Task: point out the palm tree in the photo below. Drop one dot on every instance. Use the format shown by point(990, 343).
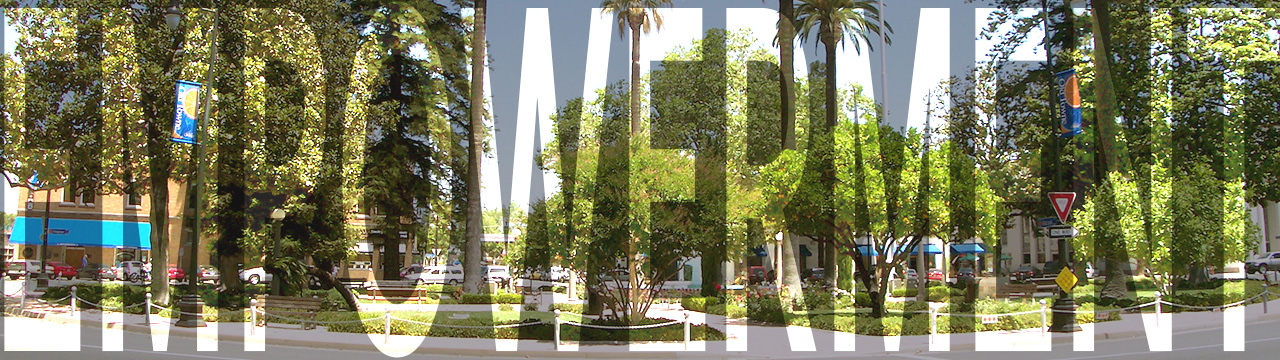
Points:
point(638, 15)
point(472, 277)
point(835, 20)
point(790, 275)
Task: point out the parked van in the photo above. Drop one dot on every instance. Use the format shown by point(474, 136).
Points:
point(451, 275)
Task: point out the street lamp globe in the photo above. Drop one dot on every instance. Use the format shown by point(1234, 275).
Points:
point(277, 214)
point(173, 16)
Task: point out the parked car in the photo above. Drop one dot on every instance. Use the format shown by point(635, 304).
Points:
point(411, 269)
point(911, 275)
point(255, 276)
point(965, 275)
point(94, 272)
point(176, 273)
point(451, 275)
point(497, 273)
point(935, 275)
point(21, 268)
point(1089, 272)
point(1263, 263)
point(556, 273)
point(210, 273)
point(132, 271)
point(61, 269)
point(1026, 272)
point(756, 275)
point(813, 274)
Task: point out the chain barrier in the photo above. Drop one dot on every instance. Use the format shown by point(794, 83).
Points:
point(265, 313)
point(607, 327)
point(507, 326)
point(105, 308)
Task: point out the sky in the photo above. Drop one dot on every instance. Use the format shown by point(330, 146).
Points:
point(584, 52)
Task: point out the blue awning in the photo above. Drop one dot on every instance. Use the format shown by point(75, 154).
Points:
point(89, 233)
point(968, 248)
point(930, 249)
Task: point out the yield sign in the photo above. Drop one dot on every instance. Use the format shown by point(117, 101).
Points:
point(1061, 202)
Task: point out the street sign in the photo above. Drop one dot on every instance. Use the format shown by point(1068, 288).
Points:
point(1047, 222)
point(990, 319)
point(1062, 202)
point(1104, 315)
point(1063, 232)
point(58, 231)
point(1066, 280)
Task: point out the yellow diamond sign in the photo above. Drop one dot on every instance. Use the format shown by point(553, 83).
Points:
point(1066, 280)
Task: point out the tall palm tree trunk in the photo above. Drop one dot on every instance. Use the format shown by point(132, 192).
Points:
point(633, 263)
point(473, 255)
point(789, 275)
point(829, 258)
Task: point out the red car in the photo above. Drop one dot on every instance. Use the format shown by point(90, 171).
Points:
point(62, 270)
point(935, 275)
point(176, 273)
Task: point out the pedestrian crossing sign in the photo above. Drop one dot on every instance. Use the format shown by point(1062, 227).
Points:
point(1066, 280)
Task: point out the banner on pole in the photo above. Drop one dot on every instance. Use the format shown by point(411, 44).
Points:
point(1069, 103)
point(186, 111)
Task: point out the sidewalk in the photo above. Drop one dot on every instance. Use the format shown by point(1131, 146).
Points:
point(765, 341)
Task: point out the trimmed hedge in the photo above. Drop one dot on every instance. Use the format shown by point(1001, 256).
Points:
point(569, 308)
point(699, 303)
point(499, 298)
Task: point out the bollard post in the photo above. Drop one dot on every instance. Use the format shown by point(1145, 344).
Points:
point(1158, 301)
point(1043, 317)
point(686, 330)
point(1266, 298)
point(386, 336)
point(253, 316)
point(933, 324)
point(73, 299)
point(557, 330)
point(148, 306)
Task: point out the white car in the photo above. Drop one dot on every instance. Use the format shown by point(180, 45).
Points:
point(557, 273)
point(132, 271)
point(497, 273)
point(451, 275)
point(255, 276)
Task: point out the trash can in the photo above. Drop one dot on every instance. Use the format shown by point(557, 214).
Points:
point(493, 287)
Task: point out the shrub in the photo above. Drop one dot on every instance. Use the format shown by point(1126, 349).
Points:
point(499, 298)
point(569, 308)
point(506, 307)
point(698, 303)
point(531, 307)
point(862, 299)
point(818, 300)
point(766, 309)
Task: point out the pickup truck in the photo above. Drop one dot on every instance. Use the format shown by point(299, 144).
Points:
point(1263, 263)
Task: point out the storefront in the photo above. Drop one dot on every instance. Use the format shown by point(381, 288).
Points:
point(71, 240)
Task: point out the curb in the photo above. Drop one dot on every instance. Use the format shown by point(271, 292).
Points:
point(371, 347)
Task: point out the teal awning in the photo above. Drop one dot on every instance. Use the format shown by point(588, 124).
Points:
point(79, 232)
point(929, 249)
point(968, 248)
point(804, 251)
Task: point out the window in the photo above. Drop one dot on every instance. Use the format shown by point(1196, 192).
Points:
point(131, 195)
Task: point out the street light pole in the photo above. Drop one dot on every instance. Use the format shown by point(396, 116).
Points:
point(191, 304)
point(1064, 318)
point(278, 216)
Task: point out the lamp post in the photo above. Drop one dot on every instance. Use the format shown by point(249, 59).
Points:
point(191, 304)
point(278, 216)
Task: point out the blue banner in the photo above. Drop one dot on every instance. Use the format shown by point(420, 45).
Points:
point(1069, 103)
point(186, 111)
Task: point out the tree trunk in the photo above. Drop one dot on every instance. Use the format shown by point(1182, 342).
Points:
point(328, 281)
point(786, 64)
point(159, 216)
point(473, 252)
point(790, 274)
point(830, 267)
point(635, 77)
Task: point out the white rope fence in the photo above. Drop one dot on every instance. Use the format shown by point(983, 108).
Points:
point(558, 322)
point(387, 317)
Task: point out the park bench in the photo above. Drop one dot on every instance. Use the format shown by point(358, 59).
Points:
point(301, 308)
point(389, 289)
point(1017, 290)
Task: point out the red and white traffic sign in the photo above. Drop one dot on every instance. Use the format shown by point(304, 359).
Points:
point(990, 319)
point(1062, 202)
